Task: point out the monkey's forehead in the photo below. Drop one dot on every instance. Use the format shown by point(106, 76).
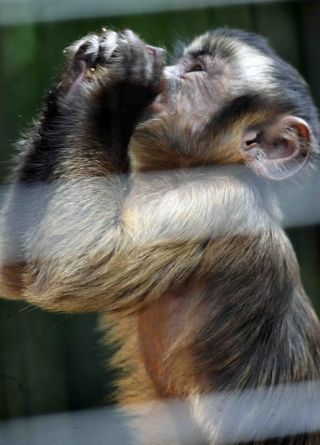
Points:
point(227, 40)
point(251, 63)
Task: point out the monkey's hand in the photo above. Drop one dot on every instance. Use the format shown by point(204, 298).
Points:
point(117, 68)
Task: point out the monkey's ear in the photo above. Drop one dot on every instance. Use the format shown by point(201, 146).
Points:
point(278, 150)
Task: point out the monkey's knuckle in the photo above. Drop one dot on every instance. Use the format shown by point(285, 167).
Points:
point(85, 48)
point(94, 50)
point(131, 37)
point(145, 67)
point(109, 44)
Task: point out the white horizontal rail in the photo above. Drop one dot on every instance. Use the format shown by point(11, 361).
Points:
point(13, 12)
point(229, 417)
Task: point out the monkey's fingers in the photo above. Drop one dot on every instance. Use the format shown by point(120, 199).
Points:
point(136, 62)
point(114, 58)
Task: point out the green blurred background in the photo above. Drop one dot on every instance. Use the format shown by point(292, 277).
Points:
point(50, 362)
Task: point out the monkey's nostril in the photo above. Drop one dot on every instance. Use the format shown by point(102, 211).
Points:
point(169, 71)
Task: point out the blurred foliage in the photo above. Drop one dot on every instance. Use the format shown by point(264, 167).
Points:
point(51, 362)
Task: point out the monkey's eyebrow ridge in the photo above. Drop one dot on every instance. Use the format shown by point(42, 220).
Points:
point(198, 53)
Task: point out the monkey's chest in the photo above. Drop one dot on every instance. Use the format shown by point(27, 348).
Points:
point(158, 328)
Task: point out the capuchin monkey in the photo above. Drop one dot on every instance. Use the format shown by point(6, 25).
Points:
point(145, 192)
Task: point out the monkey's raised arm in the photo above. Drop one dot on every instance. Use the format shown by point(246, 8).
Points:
point(73, 158)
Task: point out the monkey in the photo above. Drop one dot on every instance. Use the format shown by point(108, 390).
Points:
point(145, 192)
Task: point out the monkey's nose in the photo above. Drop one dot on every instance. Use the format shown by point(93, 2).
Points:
point(172, 71)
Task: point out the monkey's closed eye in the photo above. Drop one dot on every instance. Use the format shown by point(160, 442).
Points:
point(195, 67)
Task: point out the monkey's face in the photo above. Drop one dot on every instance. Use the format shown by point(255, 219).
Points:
point(196, 86)
point(228, 99)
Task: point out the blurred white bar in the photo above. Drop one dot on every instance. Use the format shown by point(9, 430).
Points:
point(299, 200)
point(98, 427)
point(299, 203)
point(14, 12)
point(229, 417)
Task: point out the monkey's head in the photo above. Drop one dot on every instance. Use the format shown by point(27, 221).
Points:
point(229, 99)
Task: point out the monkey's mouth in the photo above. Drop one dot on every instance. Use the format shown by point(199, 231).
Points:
point(159, 105)
point(165, 100)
